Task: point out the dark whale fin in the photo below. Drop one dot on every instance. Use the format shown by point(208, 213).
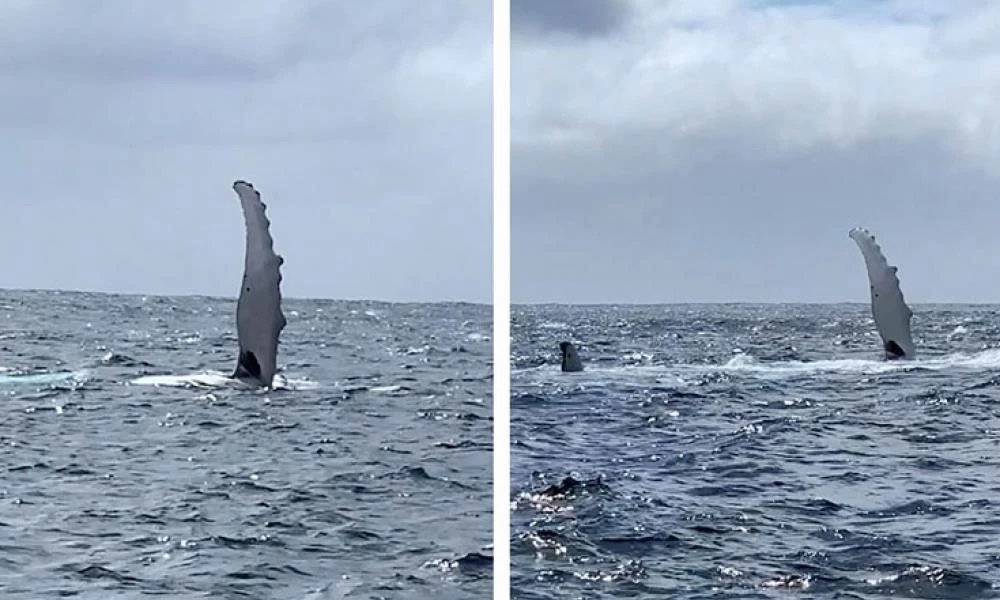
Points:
point(259, 319)
point(247, 366)
point(571, 362)
point(893, 351)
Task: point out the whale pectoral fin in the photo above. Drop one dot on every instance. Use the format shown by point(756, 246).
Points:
point(259, 318)
point(247, 366)
point(889, 309)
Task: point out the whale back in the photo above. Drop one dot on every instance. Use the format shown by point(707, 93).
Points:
point(259, 319)
point(892, 315)
point(571, 362)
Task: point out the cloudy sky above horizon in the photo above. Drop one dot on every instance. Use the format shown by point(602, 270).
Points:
point(682, 150)
point(366, 126)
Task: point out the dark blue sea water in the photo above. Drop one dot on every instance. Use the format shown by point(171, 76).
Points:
point(754, 452)
point(369, 478)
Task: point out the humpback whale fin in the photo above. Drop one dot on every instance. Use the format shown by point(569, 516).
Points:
point(259, 319)
point(891, 314)
point(570, 359)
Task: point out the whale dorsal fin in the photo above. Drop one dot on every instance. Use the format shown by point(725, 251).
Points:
point(892, 315)
point(571, 362)
point(259, 319)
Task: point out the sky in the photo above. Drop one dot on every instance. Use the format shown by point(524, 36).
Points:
point(366, 126)
point(693, 151)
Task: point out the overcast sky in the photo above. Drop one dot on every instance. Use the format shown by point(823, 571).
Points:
point(365, 125)
point(692, 150)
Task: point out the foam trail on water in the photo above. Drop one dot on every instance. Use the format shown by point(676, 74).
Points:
point(745, 365)
point(599, 375)
point(892, 315)
point(43, 378)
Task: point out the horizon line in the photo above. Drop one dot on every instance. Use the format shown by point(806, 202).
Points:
point(234, 297)
point(750, 303)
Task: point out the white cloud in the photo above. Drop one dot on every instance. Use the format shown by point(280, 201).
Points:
point(795, 76)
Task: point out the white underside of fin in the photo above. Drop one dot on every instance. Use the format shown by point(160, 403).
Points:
point(892, 315)
point(201, 379)
point(220, 380)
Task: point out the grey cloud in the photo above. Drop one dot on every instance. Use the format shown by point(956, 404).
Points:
point(225, 40)
point(623, 222)
point(117, 167)
point(579, 18)
point(114, 41)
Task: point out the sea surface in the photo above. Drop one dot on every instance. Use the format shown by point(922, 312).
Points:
point(367, 476)
point(754, 451)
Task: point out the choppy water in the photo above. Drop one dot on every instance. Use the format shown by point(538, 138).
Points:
point(754, 452)
point(373, 482)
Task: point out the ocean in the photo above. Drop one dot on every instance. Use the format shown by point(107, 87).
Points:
point(131, 467)
point(754, 451)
